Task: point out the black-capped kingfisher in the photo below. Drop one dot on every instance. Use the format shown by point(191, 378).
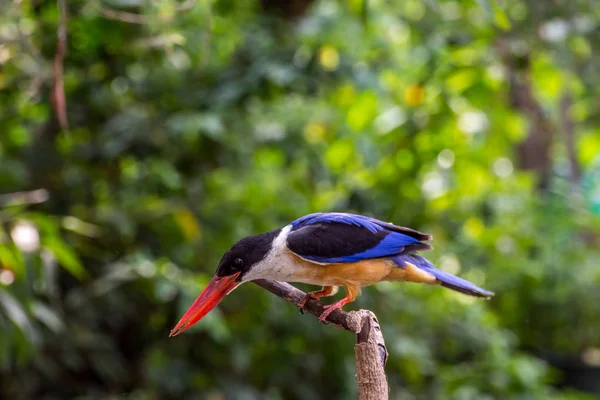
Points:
point(330, 250)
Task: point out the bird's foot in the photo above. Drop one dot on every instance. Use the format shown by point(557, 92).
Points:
point(328, 310)
point(325, 291)
point(335, 306)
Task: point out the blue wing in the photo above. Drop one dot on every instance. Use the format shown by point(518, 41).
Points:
point(345, 238)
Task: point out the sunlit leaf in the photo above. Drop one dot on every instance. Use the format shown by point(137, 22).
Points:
point(188, 223)
point(362, 111)
point(461, 80)
point(414, 95)
point(12, 259)
point(329, 57)
point(340, 154)
point(500, 17)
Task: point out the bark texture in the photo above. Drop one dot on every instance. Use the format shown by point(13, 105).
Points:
point(371, 356)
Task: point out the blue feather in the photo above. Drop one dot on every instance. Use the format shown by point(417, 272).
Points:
point(447, 280)
point(344, 218)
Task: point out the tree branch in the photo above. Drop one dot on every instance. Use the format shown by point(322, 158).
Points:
point(370, 351)
point(133, 18)
point(568, 126)
point(58, 91)
point(534, 153)
point(23, 198)
point(123, 16)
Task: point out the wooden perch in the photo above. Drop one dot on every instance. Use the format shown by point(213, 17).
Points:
point(370, 351)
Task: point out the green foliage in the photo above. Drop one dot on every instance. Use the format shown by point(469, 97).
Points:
point(204, 122)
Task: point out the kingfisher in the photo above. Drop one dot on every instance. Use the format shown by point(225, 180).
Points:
point(330, 250)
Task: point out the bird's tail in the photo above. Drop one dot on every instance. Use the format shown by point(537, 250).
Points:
point(445, 279)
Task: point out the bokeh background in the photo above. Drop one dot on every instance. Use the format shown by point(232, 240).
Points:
point(139, 139)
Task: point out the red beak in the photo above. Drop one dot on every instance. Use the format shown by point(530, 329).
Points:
point(217, 288)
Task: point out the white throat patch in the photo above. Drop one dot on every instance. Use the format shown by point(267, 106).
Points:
point(279, 264)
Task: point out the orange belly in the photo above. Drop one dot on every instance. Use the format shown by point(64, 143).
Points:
point(361, 273)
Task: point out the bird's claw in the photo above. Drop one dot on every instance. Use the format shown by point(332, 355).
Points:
point(328, 309)
point(304, 301)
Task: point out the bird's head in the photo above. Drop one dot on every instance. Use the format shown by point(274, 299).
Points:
point(246, 255)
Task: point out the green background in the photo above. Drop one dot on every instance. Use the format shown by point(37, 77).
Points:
point(188, 125)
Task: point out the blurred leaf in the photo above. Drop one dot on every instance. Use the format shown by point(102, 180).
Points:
point(495, 11)
point(362, 111)
point(47, 316)
point(188, 224)
point(10, 258)
point(500, 17)
point(66, 257)
point(15, 312)
point(414, 95)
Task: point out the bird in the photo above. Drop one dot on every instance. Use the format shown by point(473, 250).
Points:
point(329, 249)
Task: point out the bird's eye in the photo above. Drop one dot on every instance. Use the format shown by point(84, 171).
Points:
point(238, 262)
